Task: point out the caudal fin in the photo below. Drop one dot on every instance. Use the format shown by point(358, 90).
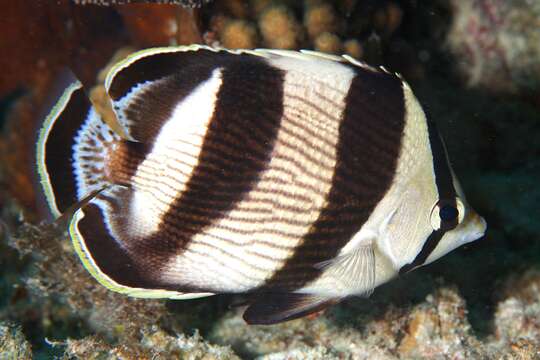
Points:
point(71, 150)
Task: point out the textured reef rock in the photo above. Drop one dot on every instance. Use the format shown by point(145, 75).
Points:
point(185, 3)
point(154, 344)
point(497, 43)
point(13, 344)
point(517, 318)
point(480, 302)
point(279, 28)
point(437, 328)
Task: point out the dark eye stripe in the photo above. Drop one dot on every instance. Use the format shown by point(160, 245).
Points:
point(430, 244)
point(443, 175)
point(447, 196)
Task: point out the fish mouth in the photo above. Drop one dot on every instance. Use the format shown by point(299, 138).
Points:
point(483, 225)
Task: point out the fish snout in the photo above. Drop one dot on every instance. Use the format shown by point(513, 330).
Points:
point(476, 227)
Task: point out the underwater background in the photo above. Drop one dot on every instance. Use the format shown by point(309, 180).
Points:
point(473, 64)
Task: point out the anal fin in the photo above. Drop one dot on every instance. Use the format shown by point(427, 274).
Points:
point(278, 307)
point(107, 237)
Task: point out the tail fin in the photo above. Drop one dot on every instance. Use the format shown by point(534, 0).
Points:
point(71, 150)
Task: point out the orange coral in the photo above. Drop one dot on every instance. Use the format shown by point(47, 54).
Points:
point(160, 25)
point(328, 42)
point(239, 34)
point(279, 28)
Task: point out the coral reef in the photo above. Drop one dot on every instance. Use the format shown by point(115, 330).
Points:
point(150, 25)
point(239, 34)
point(55, 35)
point(320, 18)
point(13, 344)
point(497, 43)
point(480, 302)
point(438, 327)
point(154, 344)
point(517, 318)
point(388, 18)
point(185, 3)
point(279, 28)
point(353, 48)
point(16, 153)
point(329, 43)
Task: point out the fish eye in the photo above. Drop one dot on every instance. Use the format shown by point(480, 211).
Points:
point(446, 215)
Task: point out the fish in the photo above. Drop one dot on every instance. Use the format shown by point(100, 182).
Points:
point(296, 178)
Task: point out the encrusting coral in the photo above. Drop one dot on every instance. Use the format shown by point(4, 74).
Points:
point(185, 3)
point(517, 318)
point(239, 34)
point(328, 43)
point(279, 28)
point(353, 48)
point(435, 328)
point(13, 344)
point(154, 344)
point(497, 43)
point(320, 18)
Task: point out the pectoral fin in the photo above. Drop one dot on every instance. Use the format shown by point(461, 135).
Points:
point(354, 271)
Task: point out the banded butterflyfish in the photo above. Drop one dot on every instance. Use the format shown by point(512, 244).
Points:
point(297, 177)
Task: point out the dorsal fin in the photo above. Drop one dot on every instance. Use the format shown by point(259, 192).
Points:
point(311, 55)
point(147, 85)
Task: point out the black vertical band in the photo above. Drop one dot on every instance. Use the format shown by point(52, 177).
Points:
point(247, 113)
point(368, 148)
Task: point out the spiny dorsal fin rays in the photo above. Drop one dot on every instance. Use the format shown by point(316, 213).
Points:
point(118, 67)
point(104, 108)
point(311, 55)
point(97, 234)
point(308, 55)
point(272, 308)
point(305, 55)
point(146, 93)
